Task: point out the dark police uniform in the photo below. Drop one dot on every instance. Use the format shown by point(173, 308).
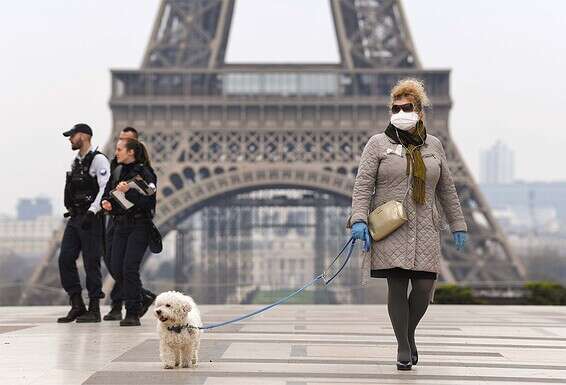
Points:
point(148, 297)
point(84, 189)
point(130, 238)
point(115, 295)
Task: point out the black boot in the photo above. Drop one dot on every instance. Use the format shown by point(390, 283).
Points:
point(148, 299)
point(93, 313)
point(78, 308)
point(404, 365)
point(115, 313)
point(132, 318)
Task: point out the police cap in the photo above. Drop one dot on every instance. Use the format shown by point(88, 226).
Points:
point(79, 127)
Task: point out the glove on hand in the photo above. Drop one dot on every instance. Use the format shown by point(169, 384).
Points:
point(88, 220)
point(360, 231)
point(460, 239)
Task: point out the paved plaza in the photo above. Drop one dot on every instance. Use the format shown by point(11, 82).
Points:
point(293, 345)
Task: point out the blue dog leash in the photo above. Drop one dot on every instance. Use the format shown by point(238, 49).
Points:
point(322, 276)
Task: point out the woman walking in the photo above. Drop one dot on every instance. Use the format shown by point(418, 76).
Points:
point(406, 164)
point(132, 225)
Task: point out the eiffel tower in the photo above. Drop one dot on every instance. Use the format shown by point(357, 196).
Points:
point(217, 129)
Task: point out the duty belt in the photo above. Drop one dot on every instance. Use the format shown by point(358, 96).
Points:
point(75, 212)
point(136, 218)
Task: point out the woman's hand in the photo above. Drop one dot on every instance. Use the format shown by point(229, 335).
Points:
point(122, 187)
point(460, 239)
point(360, 231)
point(106, 205)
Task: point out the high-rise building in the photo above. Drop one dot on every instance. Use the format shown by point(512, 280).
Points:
point(497, 164)
point(30, 209)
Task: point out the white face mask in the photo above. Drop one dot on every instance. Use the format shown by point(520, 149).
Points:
point(405, 120)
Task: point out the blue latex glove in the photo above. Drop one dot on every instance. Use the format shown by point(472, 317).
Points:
point(360, 231)
point(460, 239)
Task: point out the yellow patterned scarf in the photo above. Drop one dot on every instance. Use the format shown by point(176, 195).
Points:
point(412, 142)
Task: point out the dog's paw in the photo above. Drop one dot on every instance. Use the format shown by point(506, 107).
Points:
point(194, 363)
point(186, 365)
point(168, 366)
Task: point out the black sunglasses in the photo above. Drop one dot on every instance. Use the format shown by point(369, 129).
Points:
point(405, 107)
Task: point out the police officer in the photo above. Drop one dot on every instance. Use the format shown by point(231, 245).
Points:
point(115, 313)
point(84, 188)
point(131, 226)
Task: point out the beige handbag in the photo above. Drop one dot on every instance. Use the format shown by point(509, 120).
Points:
point(388, 217)
point(385, 219)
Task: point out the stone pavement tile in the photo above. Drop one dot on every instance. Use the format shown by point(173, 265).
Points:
point(360, 351)
point(254, 350)
point(15, 381)
point(559, 331)
point(545, 332)
point(389, 353)
point(11, 328)
point(148, 351)
point(232, 328)
point(263, 328)
point(519, 372)
point(540, 356)
point(145, 378)
point(532, 382)
point(27, 371)
point(63, 377)
point(31, 320)
point(509, 331)
point(249, 381)
point(403, 381)
point(298, 351)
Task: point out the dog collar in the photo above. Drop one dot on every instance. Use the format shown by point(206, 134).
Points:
point(179, 328)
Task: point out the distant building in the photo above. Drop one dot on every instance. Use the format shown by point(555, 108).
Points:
point(28, 238)
point(525, 206)
point(30, 209)
point(497, 165)
point(283, 262)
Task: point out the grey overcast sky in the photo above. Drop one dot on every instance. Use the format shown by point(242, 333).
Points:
point(507, 58)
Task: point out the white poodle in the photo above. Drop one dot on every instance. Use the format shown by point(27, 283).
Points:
point(179, 336)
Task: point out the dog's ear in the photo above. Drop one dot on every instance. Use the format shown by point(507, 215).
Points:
point(186, 306)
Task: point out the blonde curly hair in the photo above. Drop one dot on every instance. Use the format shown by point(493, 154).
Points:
point(412, 89)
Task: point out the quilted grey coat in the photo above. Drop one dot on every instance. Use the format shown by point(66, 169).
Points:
point(382, 177)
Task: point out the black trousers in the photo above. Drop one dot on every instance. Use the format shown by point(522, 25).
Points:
point(89, 242)
point(129, 244)
point(116, 293)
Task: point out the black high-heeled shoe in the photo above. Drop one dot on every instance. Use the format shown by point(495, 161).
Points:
point(414, 358)
point(404, 365)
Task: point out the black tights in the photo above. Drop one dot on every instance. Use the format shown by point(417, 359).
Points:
point(405, 313)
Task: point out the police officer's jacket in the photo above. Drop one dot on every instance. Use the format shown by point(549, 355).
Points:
point(144, 205)
point(86, 182)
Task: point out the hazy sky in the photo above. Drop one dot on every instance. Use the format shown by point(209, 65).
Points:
point(507, 57)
